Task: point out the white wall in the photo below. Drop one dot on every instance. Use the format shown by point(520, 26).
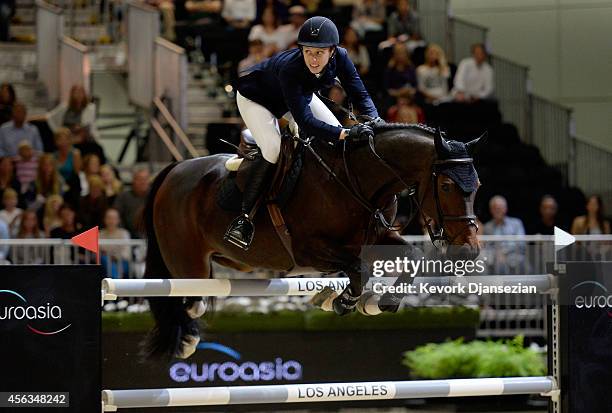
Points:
point(568, 46)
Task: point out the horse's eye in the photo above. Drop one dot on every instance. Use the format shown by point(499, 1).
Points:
point(446, 187)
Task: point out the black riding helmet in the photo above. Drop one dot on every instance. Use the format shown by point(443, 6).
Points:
point(318, 31)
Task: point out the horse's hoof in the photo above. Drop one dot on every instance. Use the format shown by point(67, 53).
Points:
point(388, 308)
point(324, 299)
point(368, 303)
point(389, 303)
point(341, 309)
point(197, 309)
point(189, 346)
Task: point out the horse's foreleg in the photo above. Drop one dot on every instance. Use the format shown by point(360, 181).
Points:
point(347, 300)
point(388, 302)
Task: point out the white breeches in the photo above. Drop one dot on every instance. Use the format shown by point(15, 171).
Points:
point(263, 125)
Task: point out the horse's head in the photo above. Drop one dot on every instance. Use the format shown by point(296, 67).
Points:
point(449, 204)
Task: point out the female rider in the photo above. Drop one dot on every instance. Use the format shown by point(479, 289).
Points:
point(284, 86)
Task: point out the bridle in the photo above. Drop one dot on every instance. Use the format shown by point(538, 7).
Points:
point(437, 235)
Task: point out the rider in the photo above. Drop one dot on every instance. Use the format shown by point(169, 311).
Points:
point(284, 86)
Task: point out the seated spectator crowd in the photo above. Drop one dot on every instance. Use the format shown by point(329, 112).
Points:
point(61, 192)
point(400, 69)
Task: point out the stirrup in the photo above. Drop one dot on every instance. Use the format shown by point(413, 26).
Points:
point(240, 232)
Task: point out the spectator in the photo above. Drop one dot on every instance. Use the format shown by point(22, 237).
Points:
point(68, 158)
point(403, 23)
point(8, 180)
point(297, 17)
point(433, 75)
point(91, 166)
point(130, 203)
point(501, 224)
point(11, 214)
point(256, 55)
point(68, 227)
point(115, 258)
point(548, 216)
point(78, 115)
point(239, 13)
point(93, 205)
point(26, 167)
point(368, 16)
point(190, 11)
point(357, 52)
point(405, 110)
point(474, 78)
point(594, 222)
point(18, 130)
point(88, 146)
point(48, 180)
point(28, 229)
point(400, 76)
point(268, 32)
point(68, 163)
point(7, 100)
point(315, 7)
point(51, 217)
point(508, 256)
point(7, 11)
point(112, 185)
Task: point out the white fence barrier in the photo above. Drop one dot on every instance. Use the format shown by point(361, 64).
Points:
point(143, 29)
point(49, 32)
point(75, 68)
point(171, 78)
point(324, 392)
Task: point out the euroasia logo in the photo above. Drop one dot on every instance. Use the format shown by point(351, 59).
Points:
point(230, 371)
point(31, 313)
point(593, 300)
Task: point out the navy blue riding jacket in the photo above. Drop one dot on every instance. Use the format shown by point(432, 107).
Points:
point(284, 84)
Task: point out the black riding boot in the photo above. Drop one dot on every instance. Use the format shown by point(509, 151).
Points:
point(241, 230)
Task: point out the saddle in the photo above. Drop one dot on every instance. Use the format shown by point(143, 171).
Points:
point(282, 182)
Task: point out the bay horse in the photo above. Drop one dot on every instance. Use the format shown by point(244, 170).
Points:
point(328, 221)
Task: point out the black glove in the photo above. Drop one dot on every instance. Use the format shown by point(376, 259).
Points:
point(360, 132)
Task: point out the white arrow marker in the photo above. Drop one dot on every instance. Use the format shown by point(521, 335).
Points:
point(563, 239)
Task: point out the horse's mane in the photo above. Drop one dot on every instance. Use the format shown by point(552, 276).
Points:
point(385, 126)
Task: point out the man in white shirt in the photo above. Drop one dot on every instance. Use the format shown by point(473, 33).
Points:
point(239, 13)
point(474, 79)
point(297, 17)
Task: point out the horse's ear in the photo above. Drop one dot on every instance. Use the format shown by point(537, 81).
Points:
point(442, 147)
point(473, 146)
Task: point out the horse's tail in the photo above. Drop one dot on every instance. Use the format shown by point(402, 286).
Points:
point(168, 312)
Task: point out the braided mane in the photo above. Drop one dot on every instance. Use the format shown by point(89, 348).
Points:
point(383, 127)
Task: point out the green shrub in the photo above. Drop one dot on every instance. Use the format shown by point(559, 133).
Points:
point(456, 359)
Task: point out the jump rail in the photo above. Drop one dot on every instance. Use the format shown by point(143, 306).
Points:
point(112, 288)
point(324, 392)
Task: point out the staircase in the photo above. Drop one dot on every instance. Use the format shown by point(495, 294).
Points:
point(208, 100)
point(81, 23)
point(18, 67)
